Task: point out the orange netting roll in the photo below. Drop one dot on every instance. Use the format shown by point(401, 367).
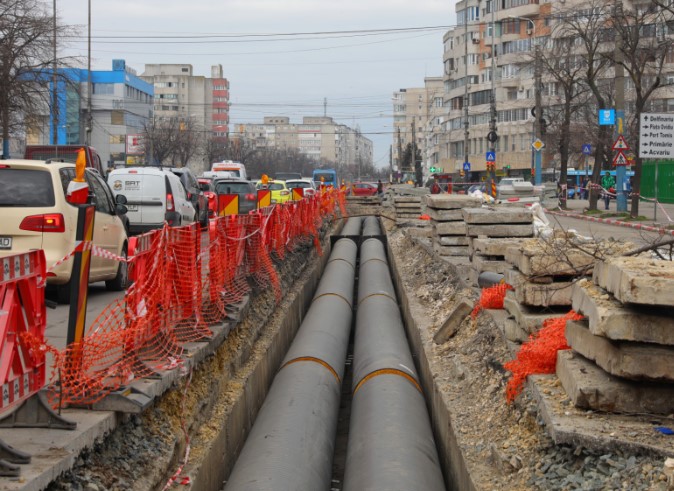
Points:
point(491, 298)
point(539, 354)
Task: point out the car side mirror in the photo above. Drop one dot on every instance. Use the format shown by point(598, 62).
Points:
point(121, 209)
point(120, 199)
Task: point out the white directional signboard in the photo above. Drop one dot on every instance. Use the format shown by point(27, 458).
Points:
point(656, 133)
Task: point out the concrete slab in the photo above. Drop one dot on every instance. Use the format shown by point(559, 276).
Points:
point(637, 280)
point(450, 228)
point(450, 240)
point(549, 257)
point(493, 247)
point(528, 318)
point(636, 361)
point(590, 387)
point(497, 215)
point(484, 263)
point(514, 332)
point(502, 230)
point(406, 205)
point(614, 320)
point(445, 215)
point(599, 432)
point(451, 201)
point(557, 293)
point(450, 250)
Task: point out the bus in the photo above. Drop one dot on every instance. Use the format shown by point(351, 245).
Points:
point(328, 177)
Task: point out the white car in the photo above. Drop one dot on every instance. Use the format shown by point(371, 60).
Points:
point(153, 196)
point(307, 184)
point(36, 215)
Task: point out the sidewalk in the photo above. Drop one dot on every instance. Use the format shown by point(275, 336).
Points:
point(660, 218)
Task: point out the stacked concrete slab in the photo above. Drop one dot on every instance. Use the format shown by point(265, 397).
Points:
point(542, 272)
point(622, 356)
point(449, 229)
point(407, 207)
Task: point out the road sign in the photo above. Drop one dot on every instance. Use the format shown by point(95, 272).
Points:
point(587, 149)
point(491, 156)
point(466, 166)
point(606, 117)
point(538, 144)
point(656, 136)
point(620, 144)
point(620, 159)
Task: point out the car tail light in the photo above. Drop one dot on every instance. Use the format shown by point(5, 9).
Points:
point(285, 193)
point(170, 206)
point(4, 166)
point(50, 222)
point(189, 195)
point(250, 197)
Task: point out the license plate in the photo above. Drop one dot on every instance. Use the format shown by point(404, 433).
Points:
point(5, 242)
point(132, 207)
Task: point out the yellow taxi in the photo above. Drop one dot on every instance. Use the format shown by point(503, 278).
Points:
point(279, 191)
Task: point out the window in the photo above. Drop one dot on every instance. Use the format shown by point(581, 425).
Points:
point(510, 26)
point(26, 188)
point(103, 89)
point(185, 70)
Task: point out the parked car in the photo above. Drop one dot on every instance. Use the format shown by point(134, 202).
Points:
point(307, 184)
point(245, 189)
point(194, 193)
point(36, 215)
point(279, 191)
point(363, 189)
point(206, 186)
point(154, 196)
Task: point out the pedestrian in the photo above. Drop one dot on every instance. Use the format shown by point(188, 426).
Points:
point(380, 187)
point(435, 187)
point(585, 190)
point(607, 183)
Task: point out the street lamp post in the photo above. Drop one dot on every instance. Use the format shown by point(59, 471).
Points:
point(538, 116)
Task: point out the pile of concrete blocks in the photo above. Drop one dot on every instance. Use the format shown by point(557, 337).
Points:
point(448, 228)
point(622, 356)
point(488, 255)
point(407, 207)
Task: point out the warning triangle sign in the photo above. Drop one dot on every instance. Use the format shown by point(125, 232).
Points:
point(620, 159)
point(620, 144)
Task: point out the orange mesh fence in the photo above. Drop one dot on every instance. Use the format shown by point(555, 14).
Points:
point(183, 280)
point(539, 354)
point(491, 298)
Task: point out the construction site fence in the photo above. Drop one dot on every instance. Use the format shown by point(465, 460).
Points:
point(183, 280)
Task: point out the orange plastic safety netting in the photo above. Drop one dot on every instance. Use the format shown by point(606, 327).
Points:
point(491, 298)
point(539, 354)
point(183, 280)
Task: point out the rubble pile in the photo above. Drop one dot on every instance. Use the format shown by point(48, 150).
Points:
point(622, 356)
point(449, 229)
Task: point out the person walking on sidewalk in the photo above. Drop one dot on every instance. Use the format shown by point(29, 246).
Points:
point(608, 183)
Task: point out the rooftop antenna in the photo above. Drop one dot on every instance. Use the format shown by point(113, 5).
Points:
point(325, 107)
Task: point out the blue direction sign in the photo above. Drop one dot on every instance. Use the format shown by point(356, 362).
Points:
point(491, 156)
point(606, 117)
point(587, 149)
point(466, 166)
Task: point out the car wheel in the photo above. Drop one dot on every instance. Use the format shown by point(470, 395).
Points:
point(63, 293)
point(121, 280)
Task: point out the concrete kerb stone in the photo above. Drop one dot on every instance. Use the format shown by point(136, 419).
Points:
point(618, 223)
point(627, 359)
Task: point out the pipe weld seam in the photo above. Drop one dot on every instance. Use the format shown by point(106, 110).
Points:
point(374, 259)
point(378, 294)
point(336, 295)
point(388, 371)
point(314, 360)
point(341, 259)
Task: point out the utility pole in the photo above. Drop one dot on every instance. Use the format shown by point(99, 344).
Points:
point(54, 108)
point(538, 167)
point(87, 129)
point(466, 133)
point(492, 98)
point(414, 150)
point(325, 107)
point(621, 198)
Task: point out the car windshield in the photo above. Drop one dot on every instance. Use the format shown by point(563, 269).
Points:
point(232, 187)
point(298, 184)
point(26, 188)
point(276, 186)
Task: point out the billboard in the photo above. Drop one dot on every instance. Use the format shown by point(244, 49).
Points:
point(134, 145)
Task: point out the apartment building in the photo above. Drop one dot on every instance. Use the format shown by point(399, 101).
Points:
point(179, 93)
point(420, 111)
point(121, 104)
point(318, 137)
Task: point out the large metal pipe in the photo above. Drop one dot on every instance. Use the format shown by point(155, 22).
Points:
point(352, 226)
point(391, 443)
point(371, 226)
point(291, 444)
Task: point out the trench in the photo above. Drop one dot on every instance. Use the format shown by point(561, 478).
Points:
point(224, 459)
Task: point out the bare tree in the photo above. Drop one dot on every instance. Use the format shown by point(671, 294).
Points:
point(171, 141)
point(26, 58)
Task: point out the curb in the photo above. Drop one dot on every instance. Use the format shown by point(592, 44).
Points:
point(619, 223)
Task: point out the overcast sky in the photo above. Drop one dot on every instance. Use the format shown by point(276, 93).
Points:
point(312, 57)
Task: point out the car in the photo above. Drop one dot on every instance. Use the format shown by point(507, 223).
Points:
point(308, 185)
point(245, 189)
point(286, 176)
point(194, 193)
point(206, 186)
point(36, 215)
point(154, 196)
point(363, 189)
point(279, 191)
